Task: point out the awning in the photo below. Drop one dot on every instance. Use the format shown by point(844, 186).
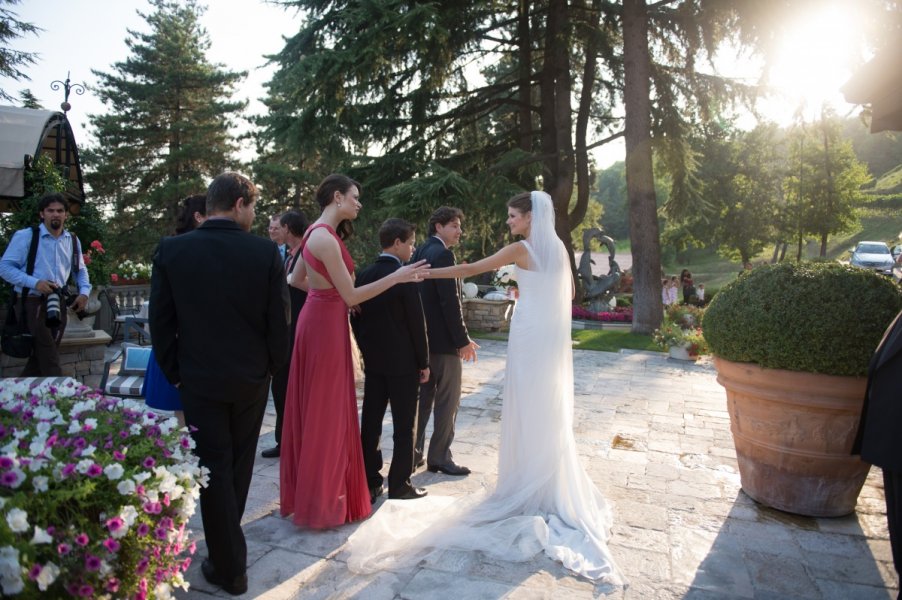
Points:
point(27, 133)
point(878, 84)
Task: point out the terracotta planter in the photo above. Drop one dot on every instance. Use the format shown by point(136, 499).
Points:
point(793, 432)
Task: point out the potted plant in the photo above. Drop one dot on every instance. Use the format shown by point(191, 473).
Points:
point(682, 343)
point(791, 345)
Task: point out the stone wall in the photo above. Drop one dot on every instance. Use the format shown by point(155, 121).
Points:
point(81, 358)
point(487, 315)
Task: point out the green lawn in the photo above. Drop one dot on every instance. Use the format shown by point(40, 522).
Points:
point(605, 340)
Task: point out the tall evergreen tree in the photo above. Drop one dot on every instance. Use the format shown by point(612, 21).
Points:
point(168, 128)
point(12, 61)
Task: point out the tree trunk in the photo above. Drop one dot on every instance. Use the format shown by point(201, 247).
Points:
point(525, 92)
point(640, 186)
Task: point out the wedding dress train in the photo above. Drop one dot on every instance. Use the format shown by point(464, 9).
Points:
point(543, 499)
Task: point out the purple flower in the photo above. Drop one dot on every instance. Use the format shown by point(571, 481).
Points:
point(160, 533)
point(9, 479)
point(2, 430)
point(94, 470)
point(63, 549)
point(34, 571)
point(112, 585)
point(82, 539)
point(118, 455)
point(153, 508)
point(86, 591)
point(166, 522)
point(92, 563)
point(80, 442)
point(149, 462)
point(143, 528)
point(68, 469)
point(6, 462)
point(114, 524)
point(123, 434)
point(111, 545)
point(142, 566)
point(185, 443)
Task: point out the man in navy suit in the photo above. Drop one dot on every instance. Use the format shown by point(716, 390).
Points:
point(449, 344)
point(219, 324)
point(391, 333)
point(878, 440)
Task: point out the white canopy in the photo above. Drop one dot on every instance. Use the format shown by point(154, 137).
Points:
point(25, 134)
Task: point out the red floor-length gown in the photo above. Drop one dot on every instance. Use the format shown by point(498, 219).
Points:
point(323, 483)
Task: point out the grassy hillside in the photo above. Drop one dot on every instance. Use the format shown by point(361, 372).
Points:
point(879, 224)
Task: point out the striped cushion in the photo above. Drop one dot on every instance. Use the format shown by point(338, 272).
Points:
point(33, 382)
point(124, 385)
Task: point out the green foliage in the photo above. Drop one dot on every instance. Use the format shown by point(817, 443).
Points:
point(821, 317)
point(168, 129)
point(11, 60)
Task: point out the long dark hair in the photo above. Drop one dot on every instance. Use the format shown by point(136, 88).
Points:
point(337, 182)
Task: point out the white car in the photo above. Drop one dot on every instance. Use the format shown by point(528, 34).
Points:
point(873, 255)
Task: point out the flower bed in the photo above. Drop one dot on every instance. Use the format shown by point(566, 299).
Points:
point(621, 314)
point(95, 495)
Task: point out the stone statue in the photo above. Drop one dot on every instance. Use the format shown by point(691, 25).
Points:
point(599, 290)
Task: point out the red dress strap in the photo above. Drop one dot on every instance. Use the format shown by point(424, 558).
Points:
point(315, 263)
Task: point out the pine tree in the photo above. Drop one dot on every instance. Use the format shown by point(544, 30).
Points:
point(12, 61)
point(168, 128)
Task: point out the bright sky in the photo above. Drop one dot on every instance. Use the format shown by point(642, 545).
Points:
point(80, 35)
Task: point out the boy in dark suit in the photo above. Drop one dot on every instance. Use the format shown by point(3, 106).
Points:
point(391, 333)
point(219, 324)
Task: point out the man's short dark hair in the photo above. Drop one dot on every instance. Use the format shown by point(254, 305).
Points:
point(295, 222)
point(394, 229)
point(52, 198)
point(444, 215)
point(226, 188)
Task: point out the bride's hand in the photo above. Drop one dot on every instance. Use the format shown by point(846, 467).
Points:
point(413, 272)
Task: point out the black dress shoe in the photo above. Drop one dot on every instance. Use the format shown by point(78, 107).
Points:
point(410, 494)
point(272, 452)
point(449, 469)
point(235, 587)
point(375, 492)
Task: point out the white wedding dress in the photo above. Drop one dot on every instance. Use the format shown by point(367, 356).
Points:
point(543, 499)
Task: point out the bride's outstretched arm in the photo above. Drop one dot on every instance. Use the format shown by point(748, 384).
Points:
point(512, 253)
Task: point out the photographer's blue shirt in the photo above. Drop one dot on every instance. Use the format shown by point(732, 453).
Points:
point(52, 263)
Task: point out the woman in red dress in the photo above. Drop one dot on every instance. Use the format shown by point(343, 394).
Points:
point(323, 483)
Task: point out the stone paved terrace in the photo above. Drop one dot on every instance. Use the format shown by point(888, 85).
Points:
point(654, 435)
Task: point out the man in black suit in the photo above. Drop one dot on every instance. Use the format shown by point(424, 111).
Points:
point(293, 224)
point(391, 333)
point(878, 440)
point(219, 324)
point(449, 344)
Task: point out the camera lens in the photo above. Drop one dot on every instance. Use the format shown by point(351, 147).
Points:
point(53, 310)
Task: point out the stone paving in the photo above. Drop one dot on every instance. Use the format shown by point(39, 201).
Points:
point(654, 435)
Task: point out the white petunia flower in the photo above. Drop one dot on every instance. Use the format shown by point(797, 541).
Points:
point(74, 426)
point(141, 477)
point(47, 576)
point(89, 451)
point(82, 466)
point(113, 471)
point(126, 487)
point(41, 536)
point(92, 423)
point(40, 483)
point(129, 514)
point(17, 519)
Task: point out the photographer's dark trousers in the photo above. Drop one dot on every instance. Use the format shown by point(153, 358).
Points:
point(45, 362)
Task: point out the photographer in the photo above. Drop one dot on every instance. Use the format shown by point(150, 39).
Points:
point(58, 251)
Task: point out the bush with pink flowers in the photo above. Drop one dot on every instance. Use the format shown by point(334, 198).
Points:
point(95, 495)
point(620, 314)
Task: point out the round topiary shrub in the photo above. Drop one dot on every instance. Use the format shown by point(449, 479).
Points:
point(818, 317)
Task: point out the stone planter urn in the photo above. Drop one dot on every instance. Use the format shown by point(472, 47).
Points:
point(793, 433)
point(681, 353)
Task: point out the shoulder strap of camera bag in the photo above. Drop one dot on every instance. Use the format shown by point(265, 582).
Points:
point(29, 269)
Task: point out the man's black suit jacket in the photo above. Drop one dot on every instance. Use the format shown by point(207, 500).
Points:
point(879, 439)
point(390, 328)
point(441, 301)
point(219, 310)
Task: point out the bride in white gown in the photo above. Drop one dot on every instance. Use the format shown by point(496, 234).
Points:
point(543, 499)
